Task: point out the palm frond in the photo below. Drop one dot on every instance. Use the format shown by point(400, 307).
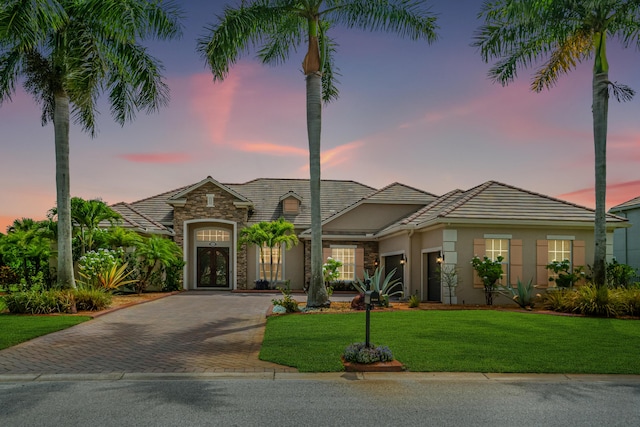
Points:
point(244, 28)
point(406, 18)
point(622, 93)
point(563, 59)
point(329, 71)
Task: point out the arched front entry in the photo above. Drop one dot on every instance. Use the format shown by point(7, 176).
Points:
point(210, 256)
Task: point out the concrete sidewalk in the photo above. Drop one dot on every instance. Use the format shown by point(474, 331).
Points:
point(190, 332)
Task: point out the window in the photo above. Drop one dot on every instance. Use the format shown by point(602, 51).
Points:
point(559, 250)
point(213, 235)
point(210, 200)
point(272, 258)
point(347, 256)
point(495, 248)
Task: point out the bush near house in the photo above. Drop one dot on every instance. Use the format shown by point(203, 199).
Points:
point(592, 301)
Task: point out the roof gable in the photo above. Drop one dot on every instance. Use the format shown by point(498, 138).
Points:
point(179, 197)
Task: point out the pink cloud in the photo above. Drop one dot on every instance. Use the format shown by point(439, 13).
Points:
point(270, 148)
point(212, 103)
point(155, 157)
point(336, 156)
point(616, 193)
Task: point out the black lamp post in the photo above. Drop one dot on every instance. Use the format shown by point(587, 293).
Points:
point(369, 298)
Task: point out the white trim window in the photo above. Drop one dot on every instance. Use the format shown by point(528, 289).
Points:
point(495, 248)
point(347, 256)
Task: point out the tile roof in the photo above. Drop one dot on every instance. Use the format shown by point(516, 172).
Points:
point(497, 201)
point(265, 193)
point(629, 204)
point(491, 201)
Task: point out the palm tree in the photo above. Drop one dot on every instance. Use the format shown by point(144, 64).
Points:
point(563, 33)
point(155, 254)
point(277, 27)
point(68, 52)
point(270, 235)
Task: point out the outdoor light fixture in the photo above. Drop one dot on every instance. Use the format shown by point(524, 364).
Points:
point(440, 258)
point(376, 262)
point(403, 260)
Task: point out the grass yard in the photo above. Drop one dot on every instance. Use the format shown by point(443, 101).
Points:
point(460, 341)
point(16, 329)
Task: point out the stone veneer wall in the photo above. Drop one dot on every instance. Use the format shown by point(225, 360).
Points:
point(370, 254)
point(196, 208)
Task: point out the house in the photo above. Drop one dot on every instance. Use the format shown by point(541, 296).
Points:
point(626, 248)
point(396, 227)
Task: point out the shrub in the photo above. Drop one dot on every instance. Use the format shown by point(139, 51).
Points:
point(94, 264)
point(39, 302)
point(8, 277)
point(594, 301)
point(565, 278)
point(414, 301)
point(360, 353)
point(489, 272)
point(290, 305)
point(561, 300)
point(92, 299)
point(627, 301)
point(620, 275)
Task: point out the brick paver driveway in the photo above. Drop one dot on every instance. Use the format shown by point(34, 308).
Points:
point(190, 332)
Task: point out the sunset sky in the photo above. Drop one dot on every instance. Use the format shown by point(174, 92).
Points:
point(423, 115)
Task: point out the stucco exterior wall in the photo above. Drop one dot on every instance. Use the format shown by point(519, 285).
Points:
point(368, 218)
point(466, 292)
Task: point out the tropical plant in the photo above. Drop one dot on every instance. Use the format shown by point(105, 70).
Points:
point(277, 27)
point(272, 235)
point(489, 271)
point(95, 263)
point(86, 215)
point(414, 301)
point(155, 254)
point(116, 237)
point(67, 53)
point(385, 286)
point(112, 278)
point(620, 275)
point(564, 276)
point(520, 33)
point(26, 248)
point(290, 305)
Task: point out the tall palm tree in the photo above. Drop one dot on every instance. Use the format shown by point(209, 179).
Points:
point(277, 27)
point(562, 34)
point(70, 51)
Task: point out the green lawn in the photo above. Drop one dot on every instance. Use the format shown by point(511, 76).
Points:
point(460, 341)
point(16, 329)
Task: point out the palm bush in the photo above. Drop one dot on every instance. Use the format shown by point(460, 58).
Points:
point(385, 286)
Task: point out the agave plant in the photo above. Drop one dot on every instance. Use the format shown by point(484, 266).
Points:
point(385, 286)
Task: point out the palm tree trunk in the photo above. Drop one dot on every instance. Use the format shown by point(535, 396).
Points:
point(317, 296)
point(600, 111)
point(63, 198)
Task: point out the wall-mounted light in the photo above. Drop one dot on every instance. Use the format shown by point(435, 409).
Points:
point(440, 258)
point(403, 260)
point(376, 262)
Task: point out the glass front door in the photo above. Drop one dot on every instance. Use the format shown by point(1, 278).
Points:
point(213, 267)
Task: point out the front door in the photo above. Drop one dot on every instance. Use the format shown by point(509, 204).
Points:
point(213, 267)
point(434, 285)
